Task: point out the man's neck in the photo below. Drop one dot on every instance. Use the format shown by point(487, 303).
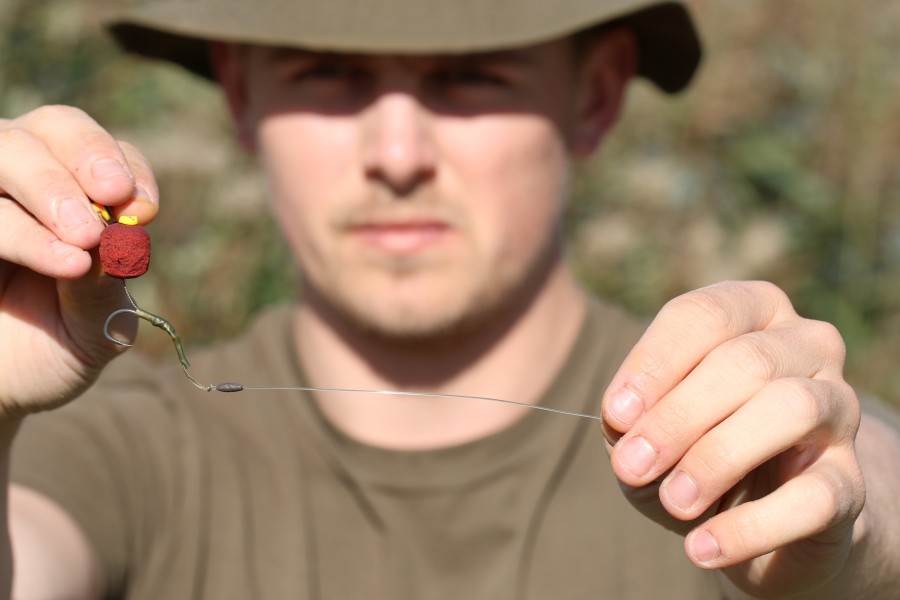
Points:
point(517, 364)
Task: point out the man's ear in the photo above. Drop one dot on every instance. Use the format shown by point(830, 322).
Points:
point(228, 67)
point(606, 66)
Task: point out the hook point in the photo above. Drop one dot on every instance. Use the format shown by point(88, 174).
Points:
point(109, 319)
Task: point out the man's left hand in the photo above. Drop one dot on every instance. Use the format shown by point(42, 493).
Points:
point(733, 424)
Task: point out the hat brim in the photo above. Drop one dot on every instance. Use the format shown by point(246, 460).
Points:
point(670, 50)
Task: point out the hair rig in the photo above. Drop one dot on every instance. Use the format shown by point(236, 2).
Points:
point(125, 254)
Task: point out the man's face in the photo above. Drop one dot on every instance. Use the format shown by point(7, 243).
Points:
point(418, 193)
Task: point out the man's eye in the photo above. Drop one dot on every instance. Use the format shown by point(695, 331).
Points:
point(327, 72)
point(469, 77)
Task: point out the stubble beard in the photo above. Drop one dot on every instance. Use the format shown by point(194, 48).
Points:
point(490, 303)
point(461, 304)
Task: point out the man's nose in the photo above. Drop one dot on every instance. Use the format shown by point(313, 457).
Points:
point(398, 147)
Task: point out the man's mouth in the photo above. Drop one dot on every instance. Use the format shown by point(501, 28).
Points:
point(402, 236)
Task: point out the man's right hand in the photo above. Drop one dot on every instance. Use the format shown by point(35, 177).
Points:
point(54, 298)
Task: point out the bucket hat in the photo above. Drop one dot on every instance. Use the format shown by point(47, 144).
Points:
point(178, 30)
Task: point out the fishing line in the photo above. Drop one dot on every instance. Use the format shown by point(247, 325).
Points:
point(166, 326)
point(237, 387)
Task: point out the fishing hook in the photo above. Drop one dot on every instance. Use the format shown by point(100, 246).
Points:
point(166, 326)
point(156, 321)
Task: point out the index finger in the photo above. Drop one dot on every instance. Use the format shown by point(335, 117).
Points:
point(683, 333)
point(85, 149)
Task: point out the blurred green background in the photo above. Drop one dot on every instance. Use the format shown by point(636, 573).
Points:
point(782, 162)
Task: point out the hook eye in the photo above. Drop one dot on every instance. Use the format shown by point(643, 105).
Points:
point(109, 319)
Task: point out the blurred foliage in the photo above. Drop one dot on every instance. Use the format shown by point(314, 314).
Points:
point(779, 163)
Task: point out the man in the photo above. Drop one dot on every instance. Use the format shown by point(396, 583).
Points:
point(419, 156)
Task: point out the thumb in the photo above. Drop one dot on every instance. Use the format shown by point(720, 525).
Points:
point(85, 305)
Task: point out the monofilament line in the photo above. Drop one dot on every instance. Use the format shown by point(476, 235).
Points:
point(163, 324)
point(237, 387)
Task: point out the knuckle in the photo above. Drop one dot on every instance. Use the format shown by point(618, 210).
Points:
point(845, 397)
point(802, 403)
point(715, 459)
point(812, 404)
point(54, 112)
point(704, 305)
point(776, 297)
point(672, 420)
point(823, 500)
point(859, 496)
point(828, 337)
point(747, 535)
point(12, 138)
point(754, 357)
point(770, 289)
point(653, 369)
point(98, 142)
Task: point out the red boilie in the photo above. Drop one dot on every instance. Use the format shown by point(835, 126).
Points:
point(124, 250)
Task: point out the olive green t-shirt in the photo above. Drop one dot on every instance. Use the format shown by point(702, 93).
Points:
point(253, 495)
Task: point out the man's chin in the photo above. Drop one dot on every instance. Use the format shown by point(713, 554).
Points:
point(414, 307)
point(408, 326)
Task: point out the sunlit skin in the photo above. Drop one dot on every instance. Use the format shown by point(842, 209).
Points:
point(422, 197)
point(426, 190)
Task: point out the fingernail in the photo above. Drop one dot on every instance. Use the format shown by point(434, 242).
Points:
point(625, 406)
point(106, 168)
point(73, 214)
point(704, 547)
point(638, 456)
point(142, 194)
point(681, 491)
point(142, 204)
